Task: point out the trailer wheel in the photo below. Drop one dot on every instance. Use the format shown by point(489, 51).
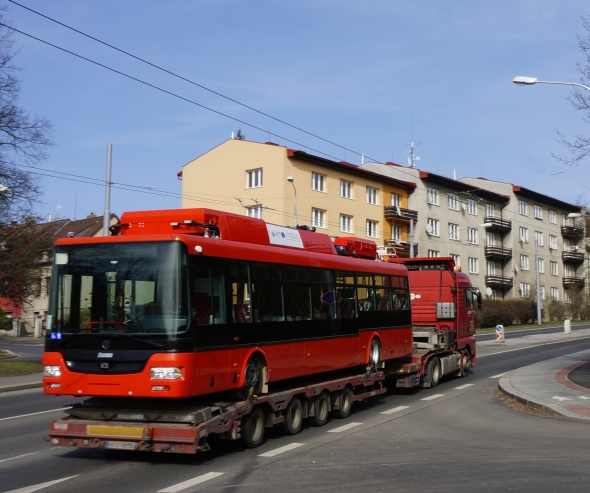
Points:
point(253, 428)
point(293, 417)
point(320, 410)
point(344, 404)
point(434, 371)
point(375, 353)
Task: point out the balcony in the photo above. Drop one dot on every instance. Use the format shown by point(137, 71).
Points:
point(572, 232)
point(497, 224)
point(572, 257)
point(403, 249)
point(499, 282)
point(391, 212)
point(498, 253)
point(573, 282)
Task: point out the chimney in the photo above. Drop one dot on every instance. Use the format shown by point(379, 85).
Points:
point(91, 215)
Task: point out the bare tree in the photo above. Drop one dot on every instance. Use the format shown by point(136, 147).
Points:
point(579, 147)
point(24, 139)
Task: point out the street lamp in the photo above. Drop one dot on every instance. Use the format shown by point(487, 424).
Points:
point(291, 180)
point(521, 80)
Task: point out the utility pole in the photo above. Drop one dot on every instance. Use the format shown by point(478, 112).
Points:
point(106, 220)
point(539, 321)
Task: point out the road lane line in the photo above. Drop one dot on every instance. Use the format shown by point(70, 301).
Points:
point(344, 428)
point(17, 457)
point(500, 375)
point(280, 450)
point(395, 410)
point(430, 397)
point(33, 414)
point(461, 387)
point(573, 339)
point(191, 482)
point(37, 487)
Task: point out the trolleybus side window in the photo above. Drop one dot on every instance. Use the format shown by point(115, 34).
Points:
point(240, 292)
point(347, 294)
point(208, 302)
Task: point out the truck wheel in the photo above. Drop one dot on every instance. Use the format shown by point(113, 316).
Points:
point(466, 364)
point(321, 410)
point(375, 353)
point(344, 404)
point(253, 428)
point(252, 378)
point(293, 417)
point(434, 371)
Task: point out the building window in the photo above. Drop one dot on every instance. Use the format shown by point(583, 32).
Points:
point(540, 266)
point(567, 296)
point(432, 196)
point(472, 235)
point(254, 211)
point(523, 234)
point(490, 210)
point(457, 259)
point(372, 228)
point(433, 253)
point(553, 269)
point(524, 262)
point(453, 202)
point(471, 207)
point(345, 189)
point(433, 223)
point(490, 239)
point(453, 231)
point(318, 182)
point(554, 294)
point(491, 268)
point(396, 233)
point(538, 211)
point(539, 238)
point(525, 289)
point(552, 217)
point(255, 178)
point(472, 265)
point(372, 195)
point(553, 242)
point(542, 292)
point(568, 271)
point(522, 208)
point(318, 218)
point(345, 223)
point(396, 200)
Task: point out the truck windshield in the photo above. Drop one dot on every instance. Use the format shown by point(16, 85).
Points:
point(119, 288)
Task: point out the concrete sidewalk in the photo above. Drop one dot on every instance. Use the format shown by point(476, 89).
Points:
point(22, 382)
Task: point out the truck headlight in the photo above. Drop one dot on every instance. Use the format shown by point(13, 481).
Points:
point(52, 371)
point(166, 373)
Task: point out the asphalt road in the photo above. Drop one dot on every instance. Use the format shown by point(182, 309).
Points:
point(455, 436)
point(25, 348)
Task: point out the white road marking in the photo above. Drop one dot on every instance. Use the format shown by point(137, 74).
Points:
point(500, 375)
point(40, 412)
point(395, 410)
point(18, 457)
point(344, 428)
point(37, 487)
point(461, 387)
point(190, 482)
point(561, 398)
point(529, 347)
point(280, 450)
point(430, 397)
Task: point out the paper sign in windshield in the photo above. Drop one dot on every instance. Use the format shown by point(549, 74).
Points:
point(279, 235)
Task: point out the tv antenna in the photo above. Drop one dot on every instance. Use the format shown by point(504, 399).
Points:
point(411, 158)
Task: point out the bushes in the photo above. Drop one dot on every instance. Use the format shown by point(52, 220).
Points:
point(507, 312)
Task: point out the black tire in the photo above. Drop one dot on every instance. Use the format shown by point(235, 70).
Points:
point(293, 417)
point(253, 377)
point(375, 353)
point(321, 410)
point(466, 357)
point(434, 372)
point(253, 425)
point(344, 404)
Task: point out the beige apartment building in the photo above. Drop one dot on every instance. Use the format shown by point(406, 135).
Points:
point(291, 187)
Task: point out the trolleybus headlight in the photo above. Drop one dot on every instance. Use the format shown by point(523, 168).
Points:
point(166, 373)
point(52, 371)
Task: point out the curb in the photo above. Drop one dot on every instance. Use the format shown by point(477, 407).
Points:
point(21, 386)
point(10, 354)
point(506, 387)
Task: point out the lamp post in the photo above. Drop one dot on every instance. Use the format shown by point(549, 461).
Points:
point(291, 180)
point(529, 81)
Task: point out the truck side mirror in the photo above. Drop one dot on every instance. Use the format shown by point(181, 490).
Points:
point(479, 300)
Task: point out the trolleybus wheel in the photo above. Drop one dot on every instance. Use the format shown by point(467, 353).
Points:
point(344, 404)
point(434, 372)
point(375, 353)
point(320, 410)
point(293, 417)
point(253, 428)
point(253, 378)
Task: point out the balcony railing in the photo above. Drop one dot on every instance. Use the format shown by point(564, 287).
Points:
point(499, 282)
point(572, 232)
point(570, 257)
point(497, 224)
point(498, 253)
point(403, 249)
point(391, 212)
point(573, 282)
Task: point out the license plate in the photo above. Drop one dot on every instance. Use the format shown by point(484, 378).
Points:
point(117, 445)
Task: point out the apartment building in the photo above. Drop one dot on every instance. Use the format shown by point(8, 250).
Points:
point(291, 187)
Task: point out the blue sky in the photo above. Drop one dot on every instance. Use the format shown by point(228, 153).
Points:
point(356, 73)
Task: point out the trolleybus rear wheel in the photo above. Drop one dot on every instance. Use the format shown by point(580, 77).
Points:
point(320, 410)
point(375, 353)
point(344, 404)
point(253, 428)
point(293, 417)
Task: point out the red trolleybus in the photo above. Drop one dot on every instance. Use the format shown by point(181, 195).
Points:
point(187, 302)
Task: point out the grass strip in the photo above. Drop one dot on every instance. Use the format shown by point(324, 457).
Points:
point(16, 368)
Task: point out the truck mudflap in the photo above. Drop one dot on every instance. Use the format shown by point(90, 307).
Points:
point(125, 425)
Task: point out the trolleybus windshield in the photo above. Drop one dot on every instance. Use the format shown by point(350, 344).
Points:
point(119, 288)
